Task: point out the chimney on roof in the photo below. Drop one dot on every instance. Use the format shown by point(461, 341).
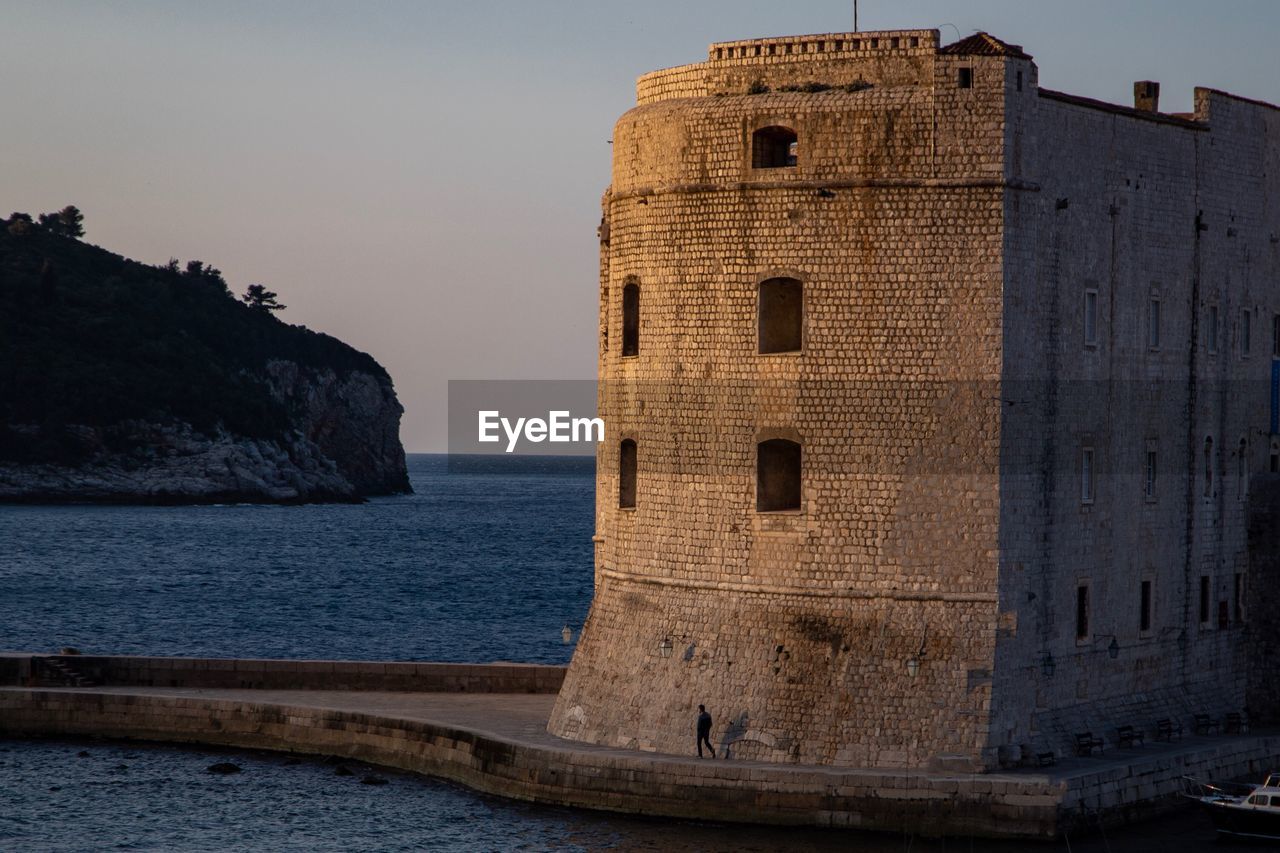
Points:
point(1146, 96)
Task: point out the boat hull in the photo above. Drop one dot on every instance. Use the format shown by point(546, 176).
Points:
point(1241, 821)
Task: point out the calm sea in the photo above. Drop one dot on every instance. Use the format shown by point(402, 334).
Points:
point(484, 562)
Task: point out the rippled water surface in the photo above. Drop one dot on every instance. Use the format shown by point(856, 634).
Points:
point(474, 566)
point(477, 566)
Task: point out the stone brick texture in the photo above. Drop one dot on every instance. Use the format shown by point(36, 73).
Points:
point(267, 674)
point(945, 236)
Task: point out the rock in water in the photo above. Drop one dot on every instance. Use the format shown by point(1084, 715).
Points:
point(224, 768)
point(343, 771)
point(373, 780)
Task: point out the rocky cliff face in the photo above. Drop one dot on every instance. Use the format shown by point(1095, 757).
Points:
point(124, 382)
point(346, 446)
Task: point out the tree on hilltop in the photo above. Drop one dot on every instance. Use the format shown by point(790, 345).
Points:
point(210, 275)
point(257, 296)
point(20, 224)
point(68, 222)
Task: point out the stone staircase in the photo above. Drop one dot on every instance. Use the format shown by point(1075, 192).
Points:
point(60, 672)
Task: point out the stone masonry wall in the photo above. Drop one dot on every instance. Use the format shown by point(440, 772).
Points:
point(1132, 208)
point(949, 221)
point(795, 628)
point(264, 674)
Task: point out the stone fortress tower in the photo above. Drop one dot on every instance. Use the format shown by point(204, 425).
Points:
point(933, 399)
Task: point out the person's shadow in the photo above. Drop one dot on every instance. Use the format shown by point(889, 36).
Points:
point(733, 732)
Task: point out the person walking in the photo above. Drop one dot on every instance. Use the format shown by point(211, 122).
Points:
point(704, 731)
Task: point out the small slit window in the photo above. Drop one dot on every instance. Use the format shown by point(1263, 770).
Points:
point(964, 78)
point(1246, 333)
point(1238, 597)
point(1242, 469)
point(1086, 475)
point(1082, 612)
point(781, 315)
point(631, 319)
point(1149, 488)
point(1204, 601)
point(1144, 613)
point(1211, 329)
point(774, 147)
point(1153, 323)
point(1208, 466)
point(778, 474)
point(1091, 318)
point(627, 474)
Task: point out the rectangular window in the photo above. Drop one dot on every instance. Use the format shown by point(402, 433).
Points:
point(1246, 332)
point(1211, 329)
point(1082, 612)
point(1149, 489)
point(1086, 475)
point(1153, 324)
point(1144, 615)
point(1242, 470)
point(964, 78)
point(1239, 598)
point(1204, 601)
point(1091, 318)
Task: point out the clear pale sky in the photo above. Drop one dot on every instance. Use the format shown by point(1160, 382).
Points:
point(422, 179)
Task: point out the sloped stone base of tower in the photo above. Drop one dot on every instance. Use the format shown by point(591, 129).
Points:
point(811, 679)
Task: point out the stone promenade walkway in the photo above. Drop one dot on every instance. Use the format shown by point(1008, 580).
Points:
point(498, 743)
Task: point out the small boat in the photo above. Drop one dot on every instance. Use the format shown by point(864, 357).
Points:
point(1242, 811)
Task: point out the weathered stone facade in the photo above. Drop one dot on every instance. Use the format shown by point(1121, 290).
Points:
point(950, 225)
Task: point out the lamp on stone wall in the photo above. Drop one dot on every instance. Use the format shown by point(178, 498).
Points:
point(664, 648)
point(1113, 650)
point(1048, 666)
point(913, 662)
point(566, 634)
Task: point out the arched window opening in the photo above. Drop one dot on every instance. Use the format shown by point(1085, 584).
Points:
point(781, 315)
point(1208, 466)
point(631, 319)
point(774, 147)
point(627, 474)
point(778, 475)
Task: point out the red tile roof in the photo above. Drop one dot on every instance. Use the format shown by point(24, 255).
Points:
point(984, 44)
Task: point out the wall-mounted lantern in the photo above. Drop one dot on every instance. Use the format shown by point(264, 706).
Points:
point(1113, 650)
point(566, 634)
point(664, 648)
point(913, 662)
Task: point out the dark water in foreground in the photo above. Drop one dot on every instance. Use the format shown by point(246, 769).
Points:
point(474, 567)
